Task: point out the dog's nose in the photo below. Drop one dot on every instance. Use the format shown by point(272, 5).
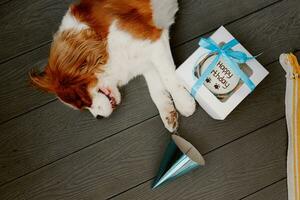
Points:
point(99, 117)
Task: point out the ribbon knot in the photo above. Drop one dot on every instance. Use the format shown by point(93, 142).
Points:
point(231, 57)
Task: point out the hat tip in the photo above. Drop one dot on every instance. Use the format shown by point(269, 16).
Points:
point(154, 185)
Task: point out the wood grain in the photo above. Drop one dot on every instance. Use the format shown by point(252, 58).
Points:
point(199, 17)
point(4, 1)
point(231, 172)
point(96, 171)
point(277, 191)
point(27, 24)
point(133, 156)
point(54, 131)
point(16, 93)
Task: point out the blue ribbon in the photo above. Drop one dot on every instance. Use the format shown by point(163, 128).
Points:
point(231, 57)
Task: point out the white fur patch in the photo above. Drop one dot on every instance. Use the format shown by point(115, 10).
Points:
point(70, 22)
point(128, 56)
point(164, 12)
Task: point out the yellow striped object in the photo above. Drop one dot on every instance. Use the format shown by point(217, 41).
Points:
point(290, 64)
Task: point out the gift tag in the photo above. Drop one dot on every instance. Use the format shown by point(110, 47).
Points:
point(222, 80)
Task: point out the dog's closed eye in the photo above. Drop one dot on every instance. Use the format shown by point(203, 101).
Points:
point(82, 65)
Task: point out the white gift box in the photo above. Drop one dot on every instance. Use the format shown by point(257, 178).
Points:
point(216, 108)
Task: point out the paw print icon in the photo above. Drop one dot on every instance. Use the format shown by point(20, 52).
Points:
point(208, 80)
point(217, 86)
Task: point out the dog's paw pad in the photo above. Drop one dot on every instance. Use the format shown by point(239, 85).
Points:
point(170, 120)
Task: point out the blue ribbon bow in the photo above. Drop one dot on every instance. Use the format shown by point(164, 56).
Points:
point(231, 57)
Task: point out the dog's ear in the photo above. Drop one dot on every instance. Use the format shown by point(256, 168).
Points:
point(41, 80)
point(77, 95)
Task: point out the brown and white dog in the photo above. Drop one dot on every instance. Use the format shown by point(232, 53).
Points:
point(102, 44)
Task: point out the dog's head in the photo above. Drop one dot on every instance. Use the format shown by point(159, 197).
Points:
point(76, 57)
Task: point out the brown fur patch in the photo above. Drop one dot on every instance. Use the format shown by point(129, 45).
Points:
point(134, 16)
point(172, 119)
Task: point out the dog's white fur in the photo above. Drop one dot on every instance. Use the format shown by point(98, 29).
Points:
point(164, 12)
point(130, 57)
point(70, 22)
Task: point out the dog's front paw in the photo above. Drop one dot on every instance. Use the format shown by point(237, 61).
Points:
point(170, 119)
point(184, 102)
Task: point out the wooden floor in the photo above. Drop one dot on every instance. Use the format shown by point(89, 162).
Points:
point(50, 152)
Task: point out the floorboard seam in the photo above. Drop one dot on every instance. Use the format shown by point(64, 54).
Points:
point(204, 154)
point(41, 45)
point(74, 152)
point(105, 138)
point(28, 111)
point(113, 196)
point(5, 2)
point(212, 30)
point(238, 138)
point(273, 183)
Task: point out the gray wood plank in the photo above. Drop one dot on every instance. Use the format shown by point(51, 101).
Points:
point(16, 92)
point(4, 1)
point(27, 24)
point(38, 19)
point(133, 156)
point(54, 131)
point(198, 17)
point(97, 170)
point(231, 172)
point(16, 70)
point(277, 191)
point(54, 123)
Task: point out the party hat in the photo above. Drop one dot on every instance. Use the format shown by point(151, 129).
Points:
point(179, 158)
